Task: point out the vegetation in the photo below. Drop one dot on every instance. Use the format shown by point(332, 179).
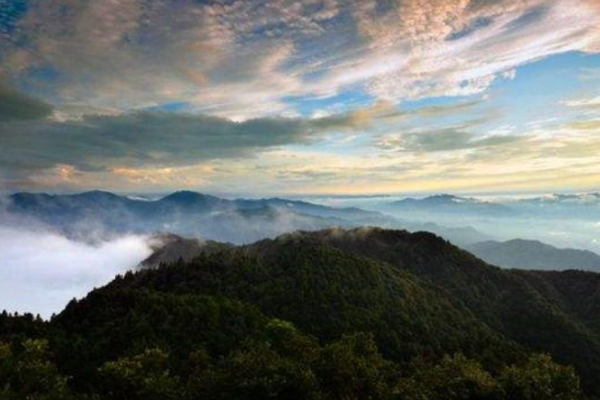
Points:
point(334, 315)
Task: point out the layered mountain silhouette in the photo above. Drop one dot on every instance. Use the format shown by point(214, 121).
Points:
point(96, 215)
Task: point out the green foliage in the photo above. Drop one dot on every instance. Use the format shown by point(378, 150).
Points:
point(366, 314)
point(455, 378)
point(352, 368)
point(145, 377)
point(539, 379)
point(28, 373)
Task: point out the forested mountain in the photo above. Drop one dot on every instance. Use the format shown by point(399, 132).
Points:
point(532, 254)
point(336, 314)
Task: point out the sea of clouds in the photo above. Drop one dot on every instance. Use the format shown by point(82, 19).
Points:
point(41, 270)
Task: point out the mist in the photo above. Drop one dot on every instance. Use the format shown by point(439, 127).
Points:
point(41, 271)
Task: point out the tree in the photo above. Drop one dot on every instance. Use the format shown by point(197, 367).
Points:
point(145, 377)
point(539, 379)
point(352, 368)
point(28, 373)
point(455, 378)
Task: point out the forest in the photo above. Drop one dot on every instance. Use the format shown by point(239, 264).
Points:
point(335, 314)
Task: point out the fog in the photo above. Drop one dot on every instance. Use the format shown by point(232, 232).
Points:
point(41, 271)
point(578, 227)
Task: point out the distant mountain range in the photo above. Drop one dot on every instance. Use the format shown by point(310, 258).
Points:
point(99, 214)
point(579, 206)
point(582, 198)
point(445, 203)
point(585, 205)
point(532, 254)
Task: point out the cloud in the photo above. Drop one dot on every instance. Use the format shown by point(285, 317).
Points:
point(246, 59)
point(585, 103)
point(15, 106)
point(584, 125)
point(41, 271)
point(147, 139)
point(449, 139)
point(447, 48)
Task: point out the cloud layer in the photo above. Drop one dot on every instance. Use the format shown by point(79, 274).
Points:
point(296, 95)
point(246, 58)
point(41, 271)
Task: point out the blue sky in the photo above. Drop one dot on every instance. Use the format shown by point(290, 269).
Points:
point(301, 97)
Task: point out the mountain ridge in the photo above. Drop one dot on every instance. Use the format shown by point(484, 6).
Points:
point(533, 254)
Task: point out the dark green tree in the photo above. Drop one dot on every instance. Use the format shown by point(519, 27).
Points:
point(539, 379)
point(352, 368)
point(145, 377)
point(28, 373)
point(454, 378)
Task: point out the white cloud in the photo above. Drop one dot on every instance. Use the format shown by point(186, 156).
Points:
point(242, 59)
point(42, 271)
point(454, 48)
point(584, 103)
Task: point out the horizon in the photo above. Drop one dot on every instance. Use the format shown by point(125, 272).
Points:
point(151, 196)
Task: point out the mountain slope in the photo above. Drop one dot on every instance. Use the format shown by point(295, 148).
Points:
point(413, 297)
point(508, 301)
point(325, 292)
point(414, 291)
point(531, 254)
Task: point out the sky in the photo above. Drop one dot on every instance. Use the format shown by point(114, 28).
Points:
point(300, 97)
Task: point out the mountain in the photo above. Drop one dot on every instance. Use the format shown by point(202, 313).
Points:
point(532, 254)
point(350, 213)
point(460, 235)
point(581, 198)
point(418, 298)
point(450, 204)
point(332, 314)
point(170, 248)
point(97, 215)
point(584, 206)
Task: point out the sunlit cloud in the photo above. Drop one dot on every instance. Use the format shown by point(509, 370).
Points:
point(245, 58)
point(308, 95)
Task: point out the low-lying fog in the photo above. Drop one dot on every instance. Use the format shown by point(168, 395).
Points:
point(563, 232)
point(42, 271)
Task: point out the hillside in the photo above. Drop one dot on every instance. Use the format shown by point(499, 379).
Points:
point(334, 314)
point(531, 254)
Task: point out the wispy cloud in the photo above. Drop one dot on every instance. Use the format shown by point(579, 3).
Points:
point(243, 59)
point(15, 106)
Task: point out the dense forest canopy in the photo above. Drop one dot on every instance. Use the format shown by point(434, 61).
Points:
point(335, 314)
